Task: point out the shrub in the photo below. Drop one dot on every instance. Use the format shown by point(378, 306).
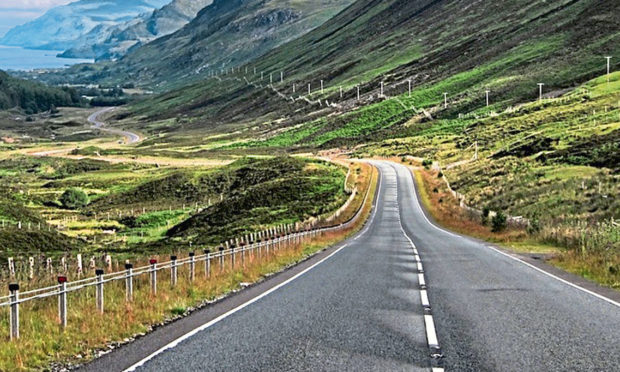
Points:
point(485, 215)
point(499, 222)
point(440, 175)
point(74, 198)
point(427, 163)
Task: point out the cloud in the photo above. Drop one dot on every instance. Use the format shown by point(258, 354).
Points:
point(31, 4)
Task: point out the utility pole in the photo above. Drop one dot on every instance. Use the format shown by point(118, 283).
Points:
point(262, 74)
point(608, 67)
point(281, 76)
point(321, 86)
point(293, 87)
point(358, 92)
point(540, 91)
point(487, 92)
point(445, 100)
point(309, 88)
point(381, 89)
point(271, 78)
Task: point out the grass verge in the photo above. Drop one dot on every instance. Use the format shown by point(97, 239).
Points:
point(601, 266)
point(43, 342)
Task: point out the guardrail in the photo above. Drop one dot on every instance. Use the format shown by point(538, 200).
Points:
point(256, 244)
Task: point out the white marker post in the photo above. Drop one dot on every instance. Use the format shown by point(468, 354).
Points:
point(608, 67)
point(358, 92)
point(487, 92)
point(281, 77)
point(321, 86)
point(341, 92)
point(445, 100)
point(293, 87)
point(540, 91)
point(262, 75)
point(308, 88)
point(271, 78)
point(381, 89)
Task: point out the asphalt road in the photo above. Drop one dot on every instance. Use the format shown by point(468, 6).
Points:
point(363, 306)
point(130, 137)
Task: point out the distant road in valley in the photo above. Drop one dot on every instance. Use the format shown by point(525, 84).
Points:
point(368, 304)
point(130, 137)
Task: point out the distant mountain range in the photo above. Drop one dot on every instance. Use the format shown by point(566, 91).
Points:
point(112, 42)
point(103, 29)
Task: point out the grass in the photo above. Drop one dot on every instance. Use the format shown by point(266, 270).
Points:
point(43, 342)
point(589, 251)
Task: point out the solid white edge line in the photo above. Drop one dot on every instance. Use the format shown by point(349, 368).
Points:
point(207, 325)
point(601, 297)
point(227, 314)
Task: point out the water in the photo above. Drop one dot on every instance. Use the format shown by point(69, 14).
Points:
point(15, 58)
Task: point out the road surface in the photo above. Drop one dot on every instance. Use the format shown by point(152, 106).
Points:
point(130, 137)
point(360, 306)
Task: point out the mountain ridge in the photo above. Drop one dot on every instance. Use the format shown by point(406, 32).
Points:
point(61, 26)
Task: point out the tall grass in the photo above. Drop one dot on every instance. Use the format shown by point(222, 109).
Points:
point(88, 333)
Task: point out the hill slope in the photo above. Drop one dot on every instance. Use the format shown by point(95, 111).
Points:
point(457, 47)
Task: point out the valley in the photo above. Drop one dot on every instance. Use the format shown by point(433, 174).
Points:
point(326, 128)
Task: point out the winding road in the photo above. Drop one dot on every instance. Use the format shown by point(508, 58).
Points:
point(130, 137)
point(403, 294)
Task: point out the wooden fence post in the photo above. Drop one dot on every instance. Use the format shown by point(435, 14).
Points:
point(207, 263)
point(129, 282)
point(99, 290)
point(153, 263)
point(14, 312)
point(173, 271)
point(192, 266)
point(62, 301)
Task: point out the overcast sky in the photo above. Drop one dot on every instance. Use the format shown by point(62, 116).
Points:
point(17, 12)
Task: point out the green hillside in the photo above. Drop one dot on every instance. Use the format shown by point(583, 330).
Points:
point(506, 47)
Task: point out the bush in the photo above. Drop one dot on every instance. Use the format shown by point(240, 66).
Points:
point(74, 198)
point(499, 222)
point(485, 215)
point(427, 163)
point(440, 175)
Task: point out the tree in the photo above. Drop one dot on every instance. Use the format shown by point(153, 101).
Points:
point(74, 198)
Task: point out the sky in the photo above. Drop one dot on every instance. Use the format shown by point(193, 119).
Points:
point(17, 12)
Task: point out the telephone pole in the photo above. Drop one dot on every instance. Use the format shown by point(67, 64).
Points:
point(487, 92)
point(608, 67)
point(445, 100)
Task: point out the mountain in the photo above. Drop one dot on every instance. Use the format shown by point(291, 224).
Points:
point(456, 47)
point(225, 33)
point(60, 27)
point(112, 42)
point(33, 97)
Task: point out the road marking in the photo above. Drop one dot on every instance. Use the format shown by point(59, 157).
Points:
point(601, 297)
point(424, 298)
point(207, 325)
point(431, 335)
point(429, 324)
